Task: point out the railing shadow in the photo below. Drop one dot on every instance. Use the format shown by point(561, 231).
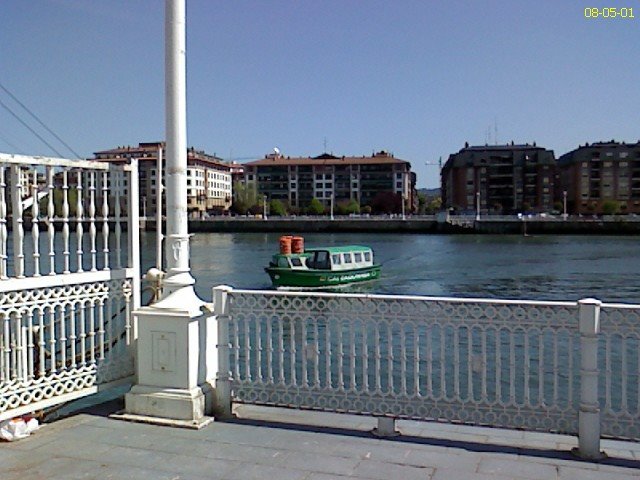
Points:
point(474, 447)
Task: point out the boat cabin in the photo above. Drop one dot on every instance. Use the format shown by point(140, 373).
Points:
point(328, 258)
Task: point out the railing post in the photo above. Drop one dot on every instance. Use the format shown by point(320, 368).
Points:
point(589, 414)
point(223, 350)
point(386, 427)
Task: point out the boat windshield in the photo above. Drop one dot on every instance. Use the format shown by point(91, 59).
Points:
point(296, 261)
point(282, 262)
point(321, 260)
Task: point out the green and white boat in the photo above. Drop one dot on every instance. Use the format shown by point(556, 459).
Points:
point(325, 267)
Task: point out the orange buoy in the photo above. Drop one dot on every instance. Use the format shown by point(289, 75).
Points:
point(297, 245)
point(285, 244)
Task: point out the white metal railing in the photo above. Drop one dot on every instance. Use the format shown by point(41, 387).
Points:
point(506, 363)
point(67, 287)
point(619, 368)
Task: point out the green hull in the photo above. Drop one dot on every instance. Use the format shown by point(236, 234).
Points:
point(286, 277)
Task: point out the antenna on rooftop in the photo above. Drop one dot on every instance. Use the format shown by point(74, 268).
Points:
point(495, 130)
point(325, 144)
point(276, 150)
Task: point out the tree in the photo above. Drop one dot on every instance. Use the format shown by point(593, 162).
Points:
point(610, 207)
point(315, 207)
point(434, 205)
point(58, 196)
point(277, 208)
point(387, 202)
point(422, 203)
point(341, 207)
point(244, 198)
point(353, 207)
point(347, 207)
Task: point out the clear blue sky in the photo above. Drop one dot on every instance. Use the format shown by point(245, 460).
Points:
point(417, 78)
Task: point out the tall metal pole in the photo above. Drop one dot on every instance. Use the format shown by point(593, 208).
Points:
point(159, 190)
point(404, 185)
point(264, 206)
point(174, 372)
point(564, 204)
point(332, 195)
point(177, 241)
point(478, 205)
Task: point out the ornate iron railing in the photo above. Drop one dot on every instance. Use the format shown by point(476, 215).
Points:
point(619, 368)
point(67, 285)
point(504, 363)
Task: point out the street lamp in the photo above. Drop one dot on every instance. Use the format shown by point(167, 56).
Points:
point(478, 205)
point(564, 204)
point(404, 182)
point(332, 196)
point(264, 206)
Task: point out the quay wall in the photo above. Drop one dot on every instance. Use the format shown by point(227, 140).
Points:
point(424, 226)
point(317, 226)
point(568, 227)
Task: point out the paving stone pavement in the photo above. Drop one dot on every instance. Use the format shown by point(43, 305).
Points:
point(280, 444)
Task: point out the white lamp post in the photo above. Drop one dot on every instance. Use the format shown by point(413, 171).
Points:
point(478, 205)
point(331, 206)
point(174, 375)
point(159, 190)
point(264, 207)
point(404, 185)
point(564, 204)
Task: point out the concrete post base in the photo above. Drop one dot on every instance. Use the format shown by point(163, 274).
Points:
point(187, 405)
point(386, 427)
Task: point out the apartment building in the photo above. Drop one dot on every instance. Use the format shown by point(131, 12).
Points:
point(209, 185)
point(601, 173)
point(297, 180)
point(499, 179)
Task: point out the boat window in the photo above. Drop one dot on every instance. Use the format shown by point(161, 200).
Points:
point(296, 261)
point(336, 259)
point(347, 258)
point(357, 257)
point(367, 256)
point(282, 262)
point(321, 260)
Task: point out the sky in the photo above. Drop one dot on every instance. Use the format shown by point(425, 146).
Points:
point(415, 78)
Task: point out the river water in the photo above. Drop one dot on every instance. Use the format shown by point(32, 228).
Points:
point(541, 267)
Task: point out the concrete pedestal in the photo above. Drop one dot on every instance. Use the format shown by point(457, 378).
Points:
point(172, 366)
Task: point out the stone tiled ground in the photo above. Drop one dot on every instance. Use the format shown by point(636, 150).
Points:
point(278, 444)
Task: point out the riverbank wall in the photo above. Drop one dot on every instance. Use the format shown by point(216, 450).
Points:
point(614, 226)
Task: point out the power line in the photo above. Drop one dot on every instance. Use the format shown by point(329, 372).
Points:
point(29, 128)
point(4, 139)
point(39, 121)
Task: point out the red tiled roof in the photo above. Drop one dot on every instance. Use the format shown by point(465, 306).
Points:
point(326, 159)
